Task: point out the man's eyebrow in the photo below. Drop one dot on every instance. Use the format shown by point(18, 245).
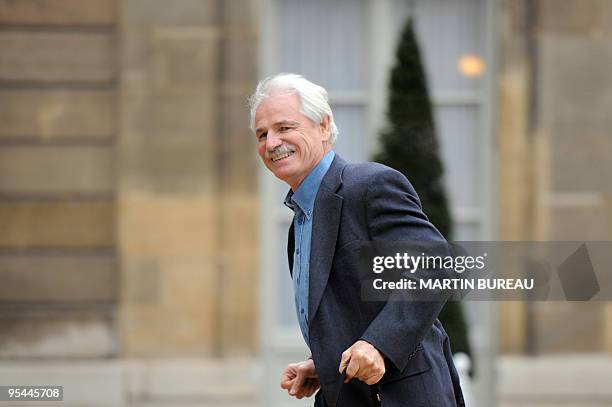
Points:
point(288, 122)
point(281, 123)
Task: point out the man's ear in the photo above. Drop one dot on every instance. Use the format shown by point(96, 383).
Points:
point(325, 128)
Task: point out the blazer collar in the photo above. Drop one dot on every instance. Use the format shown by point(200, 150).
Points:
point(333, 179)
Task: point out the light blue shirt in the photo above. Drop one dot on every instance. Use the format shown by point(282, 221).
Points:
point(302, 203)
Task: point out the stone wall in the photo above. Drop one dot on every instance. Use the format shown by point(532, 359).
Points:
point(128, 188)
point(555, 95)
point(167, 178)
point(58, 125)
point(239, 190)
point(187, 200)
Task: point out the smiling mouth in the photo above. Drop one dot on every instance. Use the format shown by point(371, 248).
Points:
point(282, 156)
point(280, 153)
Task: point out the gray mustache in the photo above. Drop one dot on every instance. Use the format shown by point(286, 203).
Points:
point(282, 149)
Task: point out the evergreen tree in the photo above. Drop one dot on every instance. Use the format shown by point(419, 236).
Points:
point(409, 145)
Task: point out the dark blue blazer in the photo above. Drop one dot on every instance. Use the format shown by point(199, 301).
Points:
point(371, 202)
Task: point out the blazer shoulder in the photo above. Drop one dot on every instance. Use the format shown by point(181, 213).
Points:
point(361, 175)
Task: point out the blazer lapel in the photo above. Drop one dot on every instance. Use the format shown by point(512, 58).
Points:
point(325, 225)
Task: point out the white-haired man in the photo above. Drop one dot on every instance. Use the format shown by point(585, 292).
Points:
point(362, 352)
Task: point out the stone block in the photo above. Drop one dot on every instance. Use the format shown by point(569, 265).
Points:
point(608, 209)
point(56, 114)
point(169, 166)
point(235, 115)
point(57, 335)
point(141, 279)
point(574, 93)
point(239, 59)
point(562, 327)
point(514, 151)
point(164, 226)
point(87, 224)
point(69, 277)
point(606, 16)
point(241, 14)
point(159, 12)
point(580, 160)
point(570, 16)
point(183, 58)
point(54, 170)
point(511, 327)
point(154, 330)
point(583, 222)
point(238, 157)
point(169, 111)
point(239, 274)
point(608, 327)
point(514, 13)
point(34, 56)
point(169, 252)
point(178, 118)
point(58, 12)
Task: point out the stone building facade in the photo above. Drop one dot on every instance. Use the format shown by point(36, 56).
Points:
point(554, 98)
point(129, 199)
point(127, 180)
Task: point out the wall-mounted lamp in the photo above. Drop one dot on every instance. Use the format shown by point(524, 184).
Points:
point(471, 65)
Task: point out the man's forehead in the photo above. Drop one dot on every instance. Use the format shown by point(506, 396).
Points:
point(277, 108)
point(279, 101)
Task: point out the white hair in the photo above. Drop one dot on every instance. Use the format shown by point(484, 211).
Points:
point(313, 98)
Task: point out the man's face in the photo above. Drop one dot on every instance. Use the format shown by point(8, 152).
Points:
point(289, 143)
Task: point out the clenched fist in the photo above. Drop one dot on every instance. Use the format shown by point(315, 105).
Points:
point(363, 362)
point(300, 379)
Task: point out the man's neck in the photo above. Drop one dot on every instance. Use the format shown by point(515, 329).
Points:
point(296, 185)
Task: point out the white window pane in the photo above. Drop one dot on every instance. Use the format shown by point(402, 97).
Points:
point(448, 30)
point(280, 190)
point(326, 41)
point(351, 120)
point(458, 132)
point(402, 10)
point(466, 231)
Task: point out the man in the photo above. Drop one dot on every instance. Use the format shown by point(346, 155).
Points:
point(363, 353)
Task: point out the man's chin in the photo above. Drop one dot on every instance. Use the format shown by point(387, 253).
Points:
point(283, 175)
point(281, 169)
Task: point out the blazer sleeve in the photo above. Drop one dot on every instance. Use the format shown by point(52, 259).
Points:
point(394, 214)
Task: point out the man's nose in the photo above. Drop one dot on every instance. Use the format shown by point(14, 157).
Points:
point(272, 142)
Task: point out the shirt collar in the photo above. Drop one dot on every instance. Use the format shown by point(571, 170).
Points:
point(306, 193)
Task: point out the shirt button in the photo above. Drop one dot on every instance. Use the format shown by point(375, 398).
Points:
point(297, 251)
point(302, 311)
point(300, 219)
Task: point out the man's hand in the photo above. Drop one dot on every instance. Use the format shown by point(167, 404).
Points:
point(364, 362)
point(300, 379)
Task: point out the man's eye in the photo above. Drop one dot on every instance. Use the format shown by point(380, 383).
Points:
point(262, 136)
point(284, 129)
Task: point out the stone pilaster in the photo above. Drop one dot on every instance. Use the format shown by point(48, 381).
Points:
point(167, 206)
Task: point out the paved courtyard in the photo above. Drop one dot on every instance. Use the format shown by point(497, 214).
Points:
point(567, 381)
